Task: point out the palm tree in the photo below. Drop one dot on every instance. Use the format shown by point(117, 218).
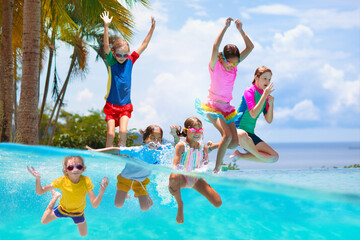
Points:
point(27, 122)
point(6, 89)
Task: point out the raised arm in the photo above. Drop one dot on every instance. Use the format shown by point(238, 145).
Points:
point(38, 188)
point(173, 131)
point(215, 50)
point(249, 46)
point(95, 201)
point(256, 110)
point(146, 41)
point(105, 17)
point(270, 112)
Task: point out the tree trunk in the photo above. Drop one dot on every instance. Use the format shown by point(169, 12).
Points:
point(46, 88)
point(59, 101)
point(6, 90)
point(27, 131)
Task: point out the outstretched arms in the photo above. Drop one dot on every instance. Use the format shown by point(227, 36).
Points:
point(146, 41)
point(215, 51)
point(249, 46)
point(105, 17)
point(38, 188)
point(111, 150)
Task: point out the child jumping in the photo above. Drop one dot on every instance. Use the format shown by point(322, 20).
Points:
point(118, 105)
point(190, 155)
point(217, 109)
point(136, 177)
point(74, 187)
point(256, 100)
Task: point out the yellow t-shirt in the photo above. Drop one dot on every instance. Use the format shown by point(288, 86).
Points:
point(73, 195)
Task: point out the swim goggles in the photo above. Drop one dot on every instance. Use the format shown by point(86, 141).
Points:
point(121, 55)
point(71, 167)
point(194, 130)
point(230, 63)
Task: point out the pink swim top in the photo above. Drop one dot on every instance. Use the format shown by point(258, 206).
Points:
point(222, 83)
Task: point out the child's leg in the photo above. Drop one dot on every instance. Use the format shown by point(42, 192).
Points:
point(82, 228)
point(120, 198)
point(176, 182)
point(226, 133)
point(260, 152)
point(207, 191)
point(145, 202)
point(110, 132)
point(49, 215)
point(123, 130)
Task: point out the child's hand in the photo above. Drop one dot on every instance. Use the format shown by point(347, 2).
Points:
point(153, 22)
point(33, 172)
point(105, 17)
point(174, 129)
point(228, 21)
point(270, 100)
point(105, 183)
point(238, 24)
point(268, 90)
point(89, 148)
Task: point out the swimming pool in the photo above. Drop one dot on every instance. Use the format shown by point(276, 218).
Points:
point(257, 204)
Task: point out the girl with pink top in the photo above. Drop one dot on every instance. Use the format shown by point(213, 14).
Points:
point(217, 109)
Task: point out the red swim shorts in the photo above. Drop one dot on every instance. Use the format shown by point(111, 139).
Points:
point(115, 112)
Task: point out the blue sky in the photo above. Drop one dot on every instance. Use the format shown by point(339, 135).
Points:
point(312, 47)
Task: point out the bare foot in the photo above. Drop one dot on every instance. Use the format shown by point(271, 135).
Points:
point(55, 194)
point(180, 214)
point(236, 155)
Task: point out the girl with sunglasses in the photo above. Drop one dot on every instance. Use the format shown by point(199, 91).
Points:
point(191, 154)
point(134, 176)
point(74, 188)
point(256, 100)
point(217, 109)
point(118, 107)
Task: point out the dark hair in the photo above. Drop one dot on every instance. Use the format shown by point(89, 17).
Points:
point(260, 71)
point(149, 130)
point(231, 50)
point(189, 123)
point(120, 43)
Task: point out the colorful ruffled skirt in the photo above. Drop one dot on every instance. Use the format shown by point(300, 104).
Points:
point(216, 110)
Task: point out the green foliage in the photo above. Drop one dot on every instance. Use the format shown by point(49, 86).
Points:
point(77, 131)
point(233, 166)
point(353, 166)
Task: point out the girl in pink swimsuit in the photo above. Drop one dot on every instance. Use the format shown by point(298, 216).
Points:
point(190, 154)
point(217, 109)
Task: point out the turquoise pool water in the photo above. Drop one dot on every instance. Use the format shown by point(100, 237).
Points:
point(257, 204)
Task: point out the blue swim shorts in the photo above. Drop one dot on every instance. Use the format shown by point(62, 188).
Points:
point(76, 219)
point(255, 138)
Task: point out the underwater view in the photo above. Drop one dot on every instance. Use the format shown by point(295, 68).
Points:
point(294, 203)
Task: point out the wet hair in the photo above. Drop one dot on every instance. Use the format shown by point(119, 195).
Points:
point(149, 130)
point(189, 123)
point(120, 43)
point(260, 71)
point(66, 160)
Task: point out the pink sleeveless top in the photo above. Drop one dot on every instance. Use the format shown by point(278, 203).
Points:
point(222, 83)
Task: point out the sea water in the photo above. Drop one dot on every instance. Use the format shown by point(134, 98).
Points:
point(301, 197)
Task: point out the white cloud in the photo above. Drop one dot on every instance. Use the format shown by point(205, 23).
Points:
point(315, 18)
point(84, 95)
point(343, 93)
point(295, 39)
point(274, 9)
point(302, 111)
